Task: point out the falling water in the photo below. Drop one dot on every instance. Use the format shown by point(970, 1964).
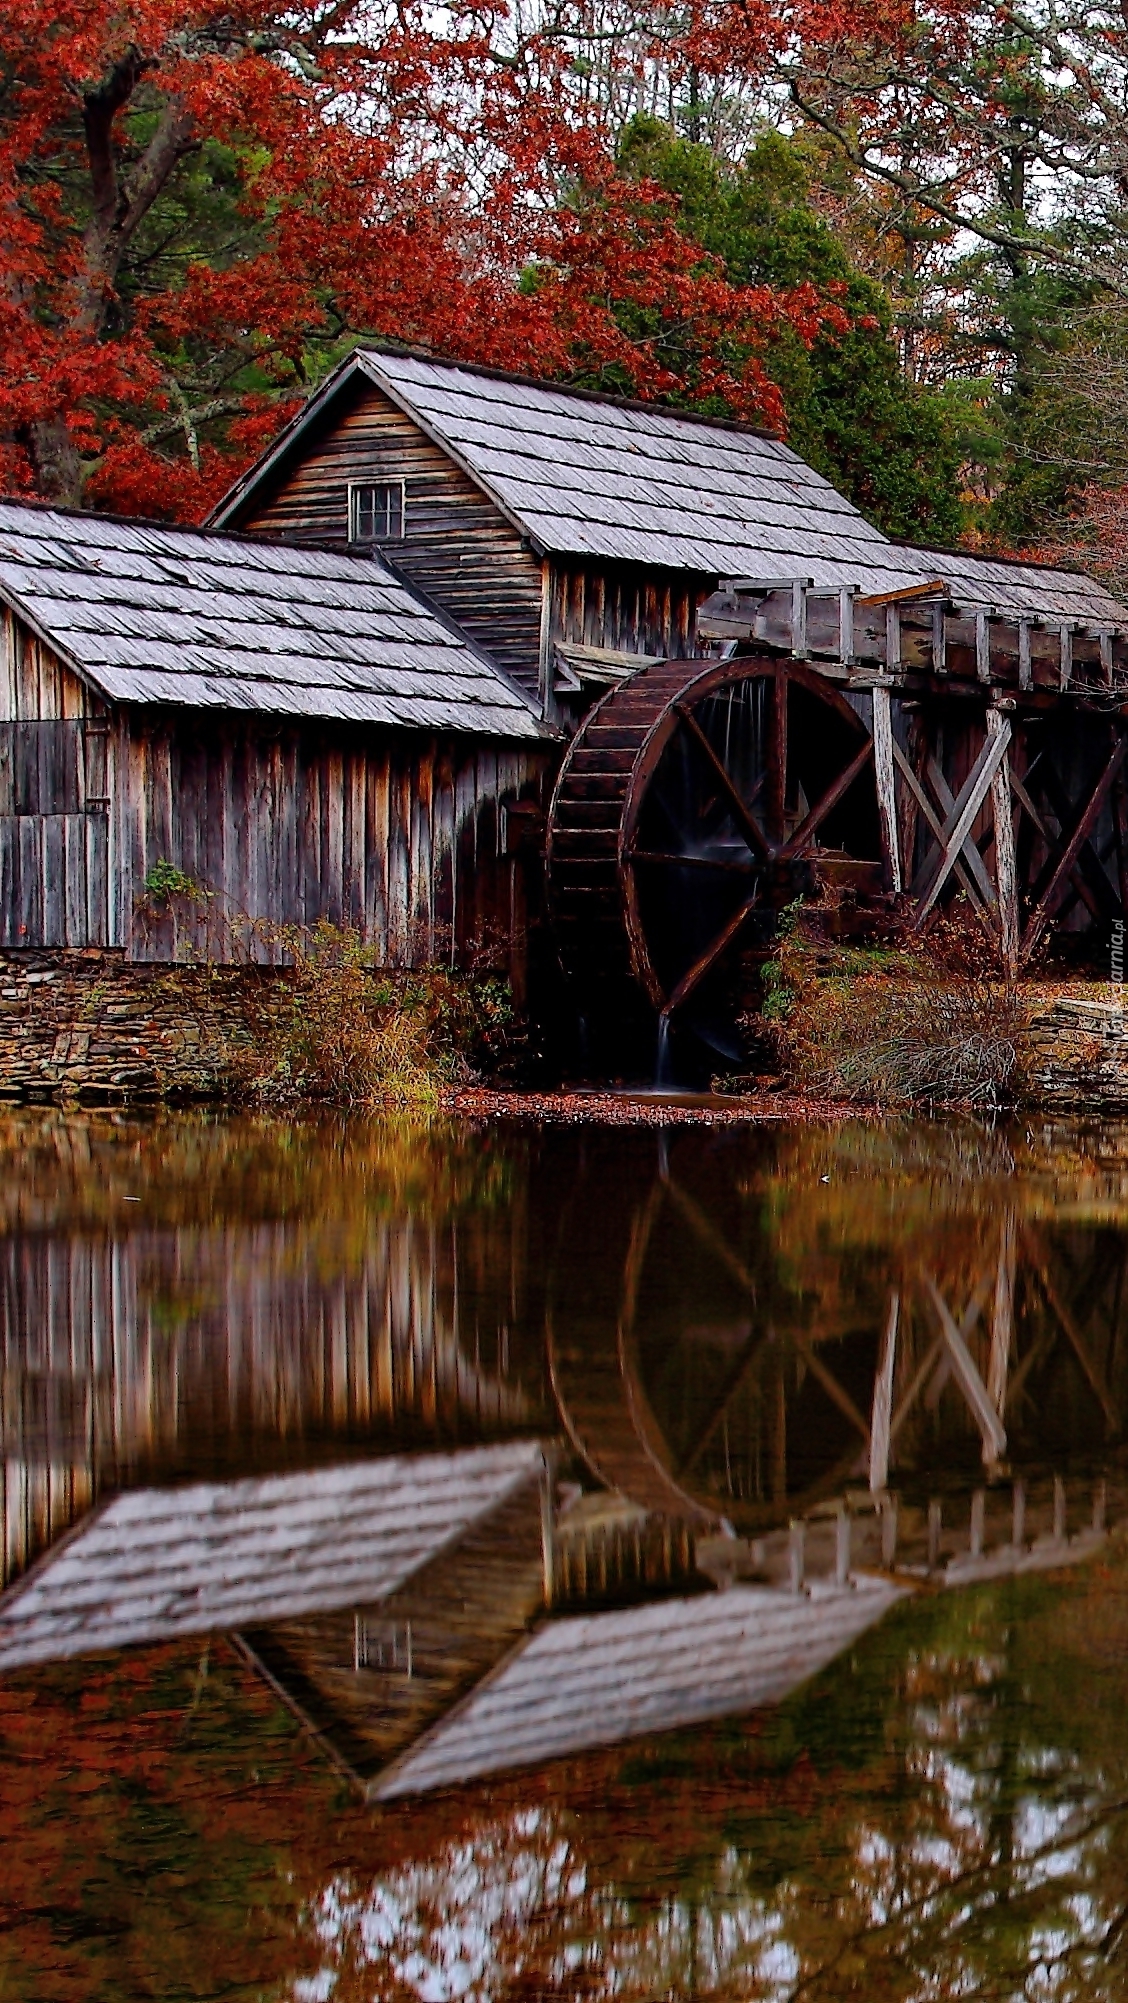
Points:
point(663, 1068)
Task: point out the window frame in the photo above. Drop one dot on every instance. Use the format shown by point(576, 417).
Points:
point(359, 487)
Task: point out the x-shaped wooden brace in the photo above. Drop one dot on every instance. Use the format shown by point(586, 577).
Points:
point(955, 851)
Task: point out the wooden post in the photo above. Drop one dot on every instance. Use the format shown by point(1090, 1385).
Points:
point(889, 1531)
point(892, 638)
point(939, 640)
point(1059, 1529)
point(1002, 1318)
point(935, 1521)
point(548, 1533)
point(1065, 636)
point(978, 1522)
point(882, 1413)
point(1018, 1515)
point(799, 620)
point(842, 1546)
point(797, 1555)
point(1006, 868)
point(846, 624)
point(983, 646)
point(1105, 637)
point(1025, 664)
point(886, 784)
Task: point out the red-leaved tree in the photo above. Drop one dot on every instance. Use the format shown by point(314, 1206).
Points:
point(202, 204)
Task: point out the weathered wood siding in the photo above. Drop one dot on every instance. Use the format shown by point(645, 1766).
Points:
point(54, 800)
point(403, 837)
point(457, 547)
point(626, 609)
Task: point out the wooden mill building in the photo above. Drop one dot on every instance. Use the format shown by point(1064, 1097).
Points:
point(453, 623)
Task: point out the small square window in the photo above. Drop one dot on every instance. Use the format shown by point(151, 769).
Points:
point(376, 513)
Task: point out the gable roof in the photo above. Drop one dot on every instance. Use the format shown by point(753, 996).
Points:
point(149, 614)
point(156, 1564)
point(598, 1679)
point(583, 475)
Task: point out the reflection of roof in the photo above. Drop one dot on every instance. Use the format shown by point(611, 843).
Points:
point(578, 1684)
point(158, 1563)
point(589, 476)
point(162, 615)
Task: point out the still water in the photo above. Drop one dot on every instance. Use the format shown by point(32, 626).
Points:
point(490, 1562)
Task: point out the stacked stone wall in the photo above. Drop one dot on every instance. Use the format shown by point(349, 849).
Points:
point(92, 1027)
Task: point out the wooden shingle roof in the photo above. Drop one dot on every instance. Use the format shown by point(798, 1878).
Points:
point(603, 1678)
point(585, 476)
point(155, 1564)
point(149, 614)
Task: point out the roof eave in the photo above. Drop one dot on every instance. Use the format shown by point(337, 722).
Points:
point(58, 647)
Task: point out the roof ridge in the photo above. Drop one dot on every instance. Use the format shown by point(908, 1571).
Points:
point(649, 406)
point(34, 504)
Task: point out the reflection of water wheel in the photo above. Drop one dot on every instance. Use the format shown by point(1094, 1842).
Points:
point(690, 809)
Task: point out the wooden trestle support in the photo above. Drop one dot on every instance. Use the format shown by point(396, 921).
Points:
point(900, 745)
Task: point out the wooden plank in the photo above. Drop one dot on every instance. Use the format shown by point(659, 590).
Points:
point(991, 1428)
point(881, 1415)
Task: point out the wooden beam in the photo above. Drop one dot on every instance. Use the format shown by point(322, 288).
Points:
point(811, 822)
point(708, 959)
point(983, 646)
point(1047, 903)
point(1002, 1316)
point(1006, 868)
point(892, 636)
point(970, 857)
point(991, 1428)
point(846, 624)
point(935, 586)
point(886, 786)
point(939, 640)
point(936, 827)
point(1065, 641)
point(959, 824)
point(745, 818)
point(881, 1416)
point(799, 620)
point(1025, 662)
point(1077, 1342)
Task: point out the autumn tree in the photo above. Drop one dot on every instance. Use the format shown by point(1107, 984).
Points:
point(203, 205)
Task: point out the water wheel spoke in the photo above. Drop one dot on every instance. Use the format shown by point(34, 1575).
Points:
point(742, 812)
point(812, 821)
point(708, 959)
point(671, 861)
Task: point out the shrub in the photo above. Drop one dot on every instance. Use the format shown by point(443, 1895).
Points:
point(337, 1028)
point(929, 1022)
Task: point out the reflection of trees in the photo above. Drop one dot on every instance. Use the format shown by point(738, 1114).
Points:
point(955, 1823)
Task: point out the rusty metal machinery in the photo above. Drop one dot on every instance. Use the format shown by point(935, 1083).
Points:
point(692, 807)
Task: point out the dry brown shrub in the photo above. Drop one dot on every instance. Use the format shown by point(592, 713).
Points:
point(336, 1027)
point(919, 1022)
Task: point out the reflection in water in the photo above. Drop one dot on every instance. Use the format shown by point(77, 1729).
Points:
point(305, 1383)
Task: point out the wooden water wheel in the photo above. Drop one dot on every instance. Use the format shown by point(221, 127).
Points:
point(694, 804)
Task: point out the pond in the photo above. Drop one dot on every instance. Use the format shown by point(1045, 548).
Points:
point(480, 1561)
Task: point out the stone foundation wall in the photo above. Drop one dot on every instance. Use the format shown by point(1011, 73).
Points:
point(91, 1027)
